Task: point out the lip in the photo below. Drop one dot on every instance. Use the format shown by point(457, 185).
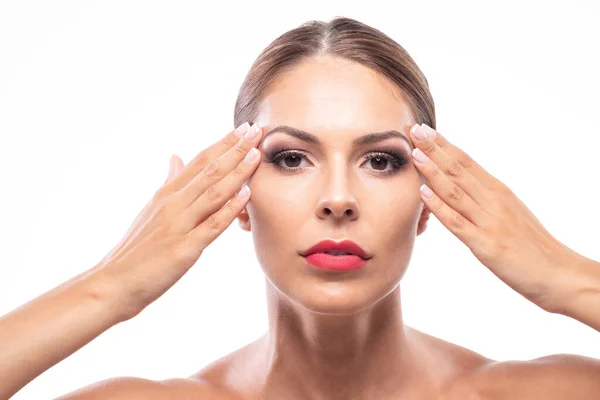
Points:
point(331, 245)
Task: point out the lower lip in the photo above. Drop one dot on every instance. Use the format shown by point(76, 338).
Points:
point(338, 263)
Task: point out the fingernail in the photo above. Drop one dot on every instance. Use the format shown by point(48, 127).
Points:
point(252, 132)
point(242, 192)
point(428, 130)
point(241, 130)
point(418, 132)
point(420, 156)
point(251, 154)
point(426, 191)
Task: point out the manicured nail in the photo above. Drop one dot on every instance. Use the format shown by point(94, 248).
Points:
point(430, 132)
point(242, 192)
point(420, 156)
point(426, 191)
point(418, 132)
point(241, 130)
point(251, 154)
point(252, 132)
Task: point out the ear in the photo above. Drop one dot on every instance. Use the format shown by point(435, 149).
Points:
point(423, 220)
point(422, 226)
point(244, 220)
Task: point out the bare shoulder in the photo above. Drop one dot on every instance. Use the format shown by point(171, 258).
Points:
point(237, 374)
point(463, 375)
point(553, 377)
point(476, 377)
point(133, 388)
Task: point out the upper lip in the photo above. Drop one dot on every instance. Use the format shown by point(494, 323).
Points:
point(330, 245)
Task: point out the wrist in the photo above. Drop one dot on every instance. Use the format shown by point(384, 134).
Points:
point(104, 289)
point(578, 284)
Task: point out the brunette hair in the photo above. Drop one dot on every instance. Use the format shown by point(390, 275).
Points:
point(341, 37)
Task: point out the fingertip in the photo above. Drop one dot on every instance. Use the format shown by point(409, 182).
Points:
point(242, 129)
point(243, 192)
point(178, 163)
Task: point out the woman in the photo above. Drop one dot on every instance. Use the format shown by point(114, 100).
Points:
point(342, 145)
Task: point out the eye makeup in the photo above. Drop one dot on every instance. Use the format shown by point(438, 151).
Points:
point(393, 156)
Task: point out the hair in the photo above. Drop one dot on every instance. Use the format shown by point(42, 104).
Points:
point(341, 37)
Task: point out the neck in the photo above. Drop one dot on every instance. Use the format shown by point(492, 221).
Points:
point(370, 354)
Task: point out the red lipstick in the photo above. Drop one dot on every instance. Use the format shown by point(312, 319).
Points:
point(341, 256)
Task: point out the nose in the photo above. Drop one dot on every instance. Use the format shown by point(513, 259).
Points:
point(337, 200)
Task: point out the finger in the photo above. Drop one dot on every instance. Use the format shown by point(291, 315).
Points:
point(175, 165)
point(451, 193)
point(178, 165)
point(206, 232)
point(206, 156)
point(215, 185)
point(456, 186)
point(170, 170)
point(462, 228)
point(216, 195)
point(476, 170)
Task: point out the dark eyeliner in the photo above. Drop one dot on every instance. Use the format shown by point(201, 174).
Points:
point(278, 152)
point(398, 158)
point(395, 157)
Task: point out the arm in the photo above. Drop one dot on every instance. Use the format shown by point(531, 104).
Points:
point(164, 242)
point(132, 388)
point(49, 328)
point(503, 233)
point(119, 388)
point(577, 293)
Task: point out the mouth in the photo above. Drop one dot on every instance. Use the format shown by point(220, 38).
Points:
point(336, 262)
point(344, 248)
point(338, 253)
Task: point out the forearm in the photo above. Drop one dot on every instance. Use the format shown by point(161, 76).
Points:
point(578, 296)
point(49, 328)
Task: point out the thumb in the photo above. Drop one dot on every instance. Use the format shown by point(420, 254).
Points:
point(177, 164)
point(173, 167)
point(170, 168)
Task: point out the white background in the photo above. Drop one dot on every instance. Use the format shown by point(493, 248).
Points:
point(96, 96)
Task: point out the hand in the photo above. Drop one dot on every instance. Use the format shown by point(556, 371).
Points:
point(184, 216)
point(487, 217)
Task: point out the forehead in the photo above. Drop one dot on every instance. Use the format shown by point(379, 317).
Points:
point(331, 94)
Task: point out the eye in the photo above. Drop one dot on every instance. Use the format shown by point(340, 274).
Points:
point(380, 160)
point(292, 160)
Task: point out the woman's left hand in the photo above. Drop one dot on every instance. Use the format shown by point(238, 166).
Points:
point(487, 217)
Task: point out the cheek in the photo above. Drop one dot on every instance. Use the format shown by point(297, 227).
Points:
point(276, 208)
point(392, 217)
point(276, 223)
point(281, 195)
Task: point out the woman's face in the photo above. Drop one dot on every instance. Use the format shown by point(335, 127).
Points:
point(331, 189)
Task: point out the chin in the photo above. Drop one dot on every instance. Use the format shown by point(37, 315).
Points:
point(332, 293)
point(337, 298)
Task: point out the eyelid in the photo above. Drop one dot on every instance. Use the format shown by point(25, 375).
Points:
point(398, 152)
point(286, 145)
point(397, 157)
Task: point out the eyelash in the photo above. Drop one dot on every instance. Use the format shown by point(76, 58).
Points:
point(395, 158)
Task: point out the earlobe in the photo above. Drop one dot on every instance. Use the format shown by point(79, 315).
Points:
point(244, 220)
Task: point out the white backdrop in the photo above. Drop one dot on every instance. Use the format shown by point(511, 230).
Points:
point(95, 96)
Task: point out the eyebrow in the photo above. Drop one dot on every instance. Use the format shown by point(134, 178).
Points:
point(359, 141)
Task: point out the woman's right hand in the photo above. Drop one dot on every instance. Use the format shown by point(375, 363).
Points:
point(184, 216)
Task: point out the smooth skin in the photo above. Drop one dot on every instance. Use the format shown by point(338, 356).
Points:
point(184, 216)
point(322, 329)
